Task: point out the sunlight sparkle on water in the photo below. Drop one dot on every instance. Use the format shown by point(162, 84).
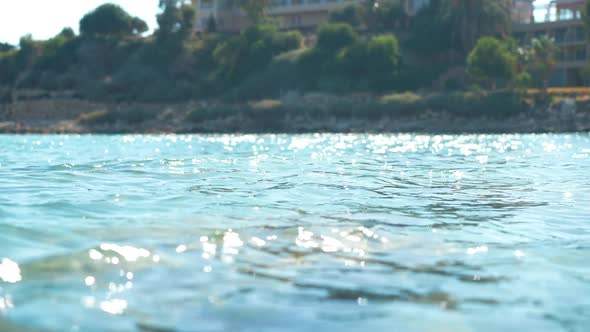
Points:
point(95, 254)
point(5, 304)
point(129, 253)
point(114, 306)
point(9, 271)
point(477, 250)
point(89, 281)
point(334, 232)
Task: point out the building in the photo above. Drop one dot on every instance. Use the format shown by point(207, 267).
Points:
point(562, 22)
point(292, 14)
point(523, 11)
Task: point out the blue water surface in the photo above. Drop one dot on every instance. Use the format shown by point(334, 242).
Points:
point(295, 233)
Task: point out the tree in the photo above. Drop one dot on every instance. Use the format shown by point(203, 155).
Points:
point(176, 23)
point(476, 18)
point(177, 19)
point(112, 21)
point(544, 53)
point(67, 33)
point(28, 51)
point(491, 61)
point(211, 24)
point(139, 26)
point(431, 32)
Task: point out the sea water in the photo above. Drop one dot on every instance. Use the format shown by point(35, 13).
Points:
point(326, 232)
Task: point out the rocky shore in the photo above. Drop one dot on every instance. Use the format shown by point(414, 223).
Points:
point(75, 116)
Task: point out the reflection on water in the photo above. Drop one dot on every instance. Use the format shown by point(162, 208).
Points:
point(9, 271)
point(295, 233)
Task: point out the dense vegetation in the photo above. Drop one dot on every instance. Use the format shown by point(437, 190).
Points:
point(365, 48)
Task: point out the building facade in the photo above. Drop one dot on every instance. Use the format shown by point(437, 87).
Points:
point(523, 11)
point(562, 22)
point(291, 14)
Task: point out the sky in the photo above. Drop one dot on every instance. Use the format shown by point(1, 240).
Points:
point(46, 18)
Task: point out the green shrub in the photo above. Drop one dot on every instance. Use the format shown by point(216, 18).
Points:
point(376, 61)
point(361, 66)
point(312, 60)
point(383, 57)
point(335, 36)
point(491, 61)
point(523, 80)
point(266, 104)
point(351, 61)
point(417, 77)
point(452, 84)
point(401, 98)
point(287, 41)
point(491, 104)
point(254, 49)
point(334, 84)
point(212, 112)
point(285, 73)
point(505, 103)
point(131, 116)
point(407, 103)
point(135, 115)
point(270, 114)
point(101, 117)
point(58, 53)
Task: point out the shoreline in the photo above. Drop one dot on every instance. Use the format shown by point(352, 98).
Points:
point(76, 116)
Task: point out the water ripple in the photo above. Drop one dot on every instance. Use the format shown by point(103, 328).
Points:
point(294, 232)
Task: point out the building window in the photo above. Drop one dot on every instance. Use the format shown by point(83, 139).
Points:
point(560, 35)
point(581, 54)
point(580, 34)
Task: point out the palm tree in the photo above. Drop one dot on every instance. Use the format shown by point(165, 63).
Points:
point(545, 57)
point(523, 55)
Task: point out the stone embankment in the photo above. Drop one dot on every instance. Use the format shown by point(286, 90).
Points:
point(76, 116)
